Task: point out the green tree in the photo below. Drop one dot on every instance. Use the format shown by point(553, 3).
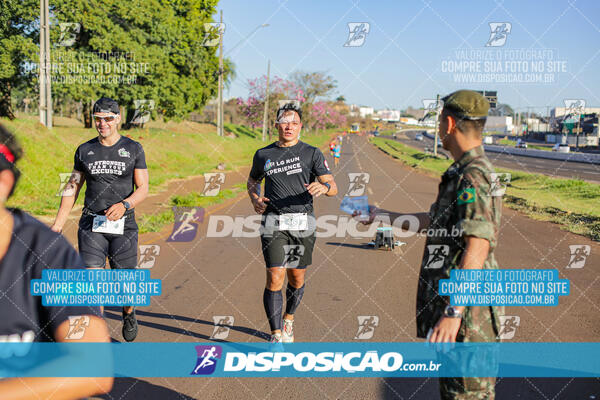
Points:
point(135, 50)
point(314, 84)
point(18, 35)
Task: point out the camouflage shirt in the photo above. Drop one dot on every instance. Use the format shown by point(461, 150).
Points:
point(464, 207)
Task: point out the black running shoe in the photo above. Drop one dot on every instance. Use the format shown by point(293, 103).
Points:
point(130, 326)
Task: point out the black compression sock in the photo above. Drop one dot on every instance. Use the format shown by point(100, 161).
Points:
point(273, 302)
point(293, 297)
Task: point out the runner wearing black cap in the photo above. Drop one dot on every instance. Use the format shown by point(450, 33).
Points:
point(294, 173)
point(114, 168)
point(26, 248)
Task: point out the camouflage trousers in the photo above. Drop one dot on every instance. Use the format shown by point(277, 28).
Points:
point(477, 326)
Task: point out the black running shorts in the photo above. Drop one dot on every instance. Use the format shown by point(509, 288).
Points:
point(121, 250)
point(289, 249)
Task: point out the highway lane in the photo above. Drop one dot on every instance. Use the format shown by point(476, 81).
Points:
point(563, 169)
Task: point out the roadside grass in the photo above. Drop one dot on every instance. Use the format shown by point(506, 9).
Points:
point(155, 222)
point(174, 150)
point(572, 203)
point(244, 130)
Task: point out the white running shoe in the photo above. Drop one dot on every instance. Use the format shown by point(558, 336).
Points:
point(288, 331)
point(276, 338)
point(276, 346)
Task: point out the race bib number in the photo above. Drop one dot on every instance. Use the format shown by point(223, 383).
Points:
point(293, 222)
point(104, 225)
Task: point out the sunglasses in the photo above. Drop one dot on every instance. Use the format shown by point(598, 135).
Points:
point(294, 124)
point(109, 118)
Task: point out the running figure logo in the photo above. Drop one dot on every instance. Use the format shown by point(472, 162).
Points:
point(223, 324)
point(212, 31)
point(358, 34)
point(574, 107)
point(207, 359)
point(148, 254)
point(68, 33)
point(143, 111)
point(186, 223)
point(366, 326)
point(68, 183)
point(579, 254)
point(498, 33)
point(499, 183)
point(508, 326)
point(77, 326)
point(212, 183)
point(432, 106)
point(293, 253)
point(437, 255)
point(358, 183)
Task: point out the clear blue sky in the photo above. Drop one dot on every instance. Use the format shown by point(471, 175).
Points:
point(401, 60)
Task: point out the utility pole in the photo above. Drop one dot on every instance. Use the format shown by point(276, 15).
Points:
point(45, 88)
point(437, 118)
point(578, 127)
point(220, 94)
point(266, 112)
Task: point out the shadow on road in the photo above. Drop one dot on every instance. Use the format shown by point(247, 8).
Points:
point(409, 388)
point(242, 329)
point(354, 246)
point(131, 388)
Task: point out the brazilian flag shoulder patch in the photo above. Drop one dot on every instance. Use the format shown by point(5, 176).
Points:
point(466, 196)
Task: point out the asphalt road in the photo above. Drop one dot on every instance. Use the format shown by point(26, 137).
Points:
point(588, 172)
point(226, 276)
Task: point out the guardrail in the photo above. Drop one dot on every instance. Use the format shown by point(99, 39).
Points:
point(551, 155)
point(587, 158)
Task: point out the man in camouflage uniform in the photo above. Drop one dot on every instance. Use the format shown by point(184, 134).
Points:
point(464, 220)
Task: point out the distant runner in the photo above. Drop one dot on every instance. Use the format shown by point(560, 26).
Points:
point(337, 152)
point(294, 173)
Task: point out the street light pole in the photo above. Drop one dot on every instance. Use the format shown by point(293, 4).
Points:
point(220, 106)
point(266, 112)
point(220, 92)
point(45, 84)
point(437, 118)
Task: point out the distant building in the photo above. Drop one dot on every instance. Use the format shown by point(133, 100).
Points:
point(535, 125)
point(557, 112)
point(409, 121)
point(498, 123)
point(387, 115)
point(360, 111)
point(415, 112)
point(365, 112)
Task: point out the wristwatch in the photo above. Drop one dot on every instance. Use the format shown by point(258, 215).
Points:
point(328, 187)
point(452, 312)
point(126, 204)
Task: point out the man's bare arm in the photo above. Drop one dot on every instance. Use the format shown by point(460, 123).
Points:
point(258, 202)
point(68, 199)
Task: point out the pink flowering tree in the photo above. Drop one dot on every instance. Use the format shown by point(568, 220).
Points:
point(323, 115)
point(252, 108)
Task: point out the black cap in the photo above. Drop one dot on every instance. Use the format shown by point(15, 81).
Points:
point(293, 105)
point(106, 105)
